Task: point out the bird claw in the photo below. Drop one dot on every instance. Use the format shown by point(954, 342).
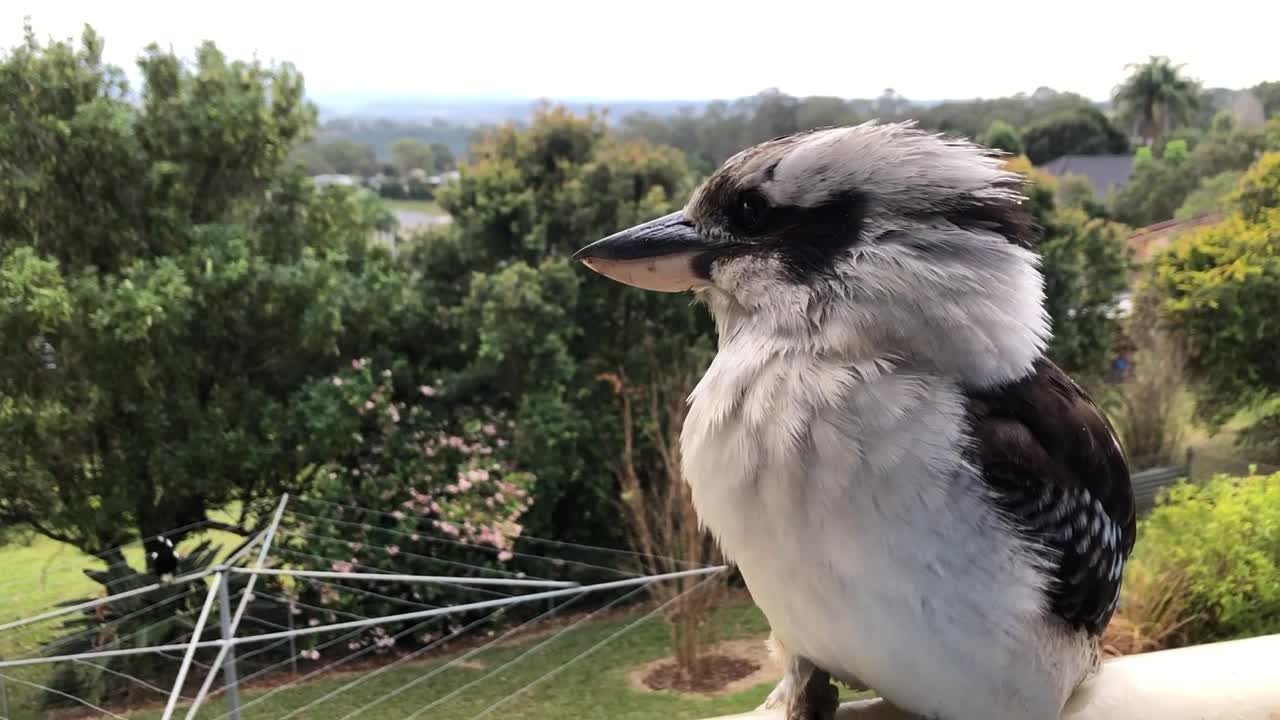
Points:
point(818, 699)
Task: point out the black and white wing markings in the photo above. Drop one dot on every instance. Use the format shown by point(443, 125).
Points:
point(1054, 465)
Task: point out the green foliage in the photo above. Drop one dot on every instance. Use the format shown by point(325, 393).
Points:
point(1080, 131)
point(1162, 185)
point(1156, 189)
point(446, 474)
point(1212, 196)
point(410, 154)
point(1156, 97)
point(1232, 569)
point(1075, 191)
point(1226, 148)
point(340, 155)
point(168, 290)
point(1002, 136)
point(1086, 267)
point(1221, 286)
point(1268, 93)
point(537, 331)
point(708, 137)
point(1259, 191)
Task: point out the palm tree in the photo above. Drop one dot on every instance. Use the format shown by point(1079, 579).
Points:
point(1155, 97)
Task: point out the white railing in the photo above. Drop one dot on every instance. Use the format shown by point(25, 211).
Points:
point(1238, 680)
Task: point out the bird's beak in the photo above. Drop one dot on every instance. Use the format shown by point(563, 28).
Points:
point(667, 255)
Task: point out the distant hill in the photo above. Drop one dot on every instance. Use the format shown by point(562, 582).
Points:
point(480, 111)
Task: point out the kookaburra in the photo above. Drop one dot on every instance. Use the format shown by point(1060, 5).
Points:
point(917, 498)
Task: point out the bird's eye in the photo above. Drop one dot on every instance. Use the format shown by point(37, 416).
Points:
point(752, 208)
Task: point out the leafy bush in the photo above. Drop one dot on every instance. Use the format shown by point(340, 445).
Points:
point(1218, 544)
point(1221, 285)
point(419, 491)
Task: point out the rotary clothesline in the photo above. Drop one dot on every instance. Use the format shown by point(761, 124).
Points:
point(217, 577)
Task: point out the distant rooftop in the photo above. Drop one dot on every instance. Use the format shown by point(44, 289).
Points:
point(1105, 172)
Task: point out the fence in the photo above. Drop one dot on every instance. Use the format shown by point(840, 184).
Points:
point(1148, 483)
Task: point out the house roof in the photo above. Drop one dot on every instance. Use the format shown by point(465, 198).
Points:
point(1105, 172)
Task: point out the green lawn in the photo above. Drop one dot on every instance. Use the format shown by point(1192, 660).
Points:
point(423, 206)
point(35, 575)
point(595, 687)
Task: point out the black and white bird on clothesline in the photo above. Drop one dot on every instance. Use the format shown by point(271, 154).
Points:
point(164, 559)
point(918, 499)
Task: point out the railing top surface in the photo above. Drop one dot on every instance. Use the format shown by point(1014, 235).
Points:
point(1237, 680)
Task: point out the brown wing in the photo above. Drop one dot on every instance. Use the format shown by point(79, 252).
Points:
point(1056, 468)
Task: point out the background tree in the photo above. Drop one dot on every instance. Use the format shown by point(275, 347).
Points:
point(1156, 97)
point(168, 290)
point(442, 158)
point(1221, 285)
point(1086, 268)
point(1081, 131)
point(565, 352)
point(1212, 195)
point(1157, 187)
point(409, 155)
point(1268, 93)
point(348, 157)
point(537, 330)
point(1002, 136)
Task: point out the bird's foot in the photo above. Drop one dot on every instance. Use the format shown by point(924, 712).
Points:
point(815, 699)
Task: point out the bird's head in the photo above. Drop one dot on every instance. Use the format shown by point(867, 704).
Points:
point(878, 241)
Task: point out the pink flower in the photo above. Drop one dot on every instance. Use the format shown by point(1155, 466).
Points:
point(464, 485)
point(393, 414)
point(448, 528)
point(368, 405)
point(498, 497)
point(435, 507)
point(505, 555)
point(313, 622)
point(502, 443)
point(342, 566)
point(337, 382)
point(451, 489)
point(489, 429)
point(311, 654)
point(427, 390)
point(359, 363)
point(393, 550)
point(456, 442)
point(414, 537)
point(399, 514)
point(478, 475)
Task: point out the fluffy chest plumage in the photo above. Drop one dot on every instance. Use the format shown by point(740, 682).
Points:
point(841, 492)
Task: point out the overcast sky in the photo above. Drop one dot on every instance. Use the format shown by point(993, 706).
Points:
point(656, 49)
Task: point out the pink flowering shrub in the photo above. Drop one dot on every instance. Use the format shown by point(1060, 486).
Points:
point(421, 488)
